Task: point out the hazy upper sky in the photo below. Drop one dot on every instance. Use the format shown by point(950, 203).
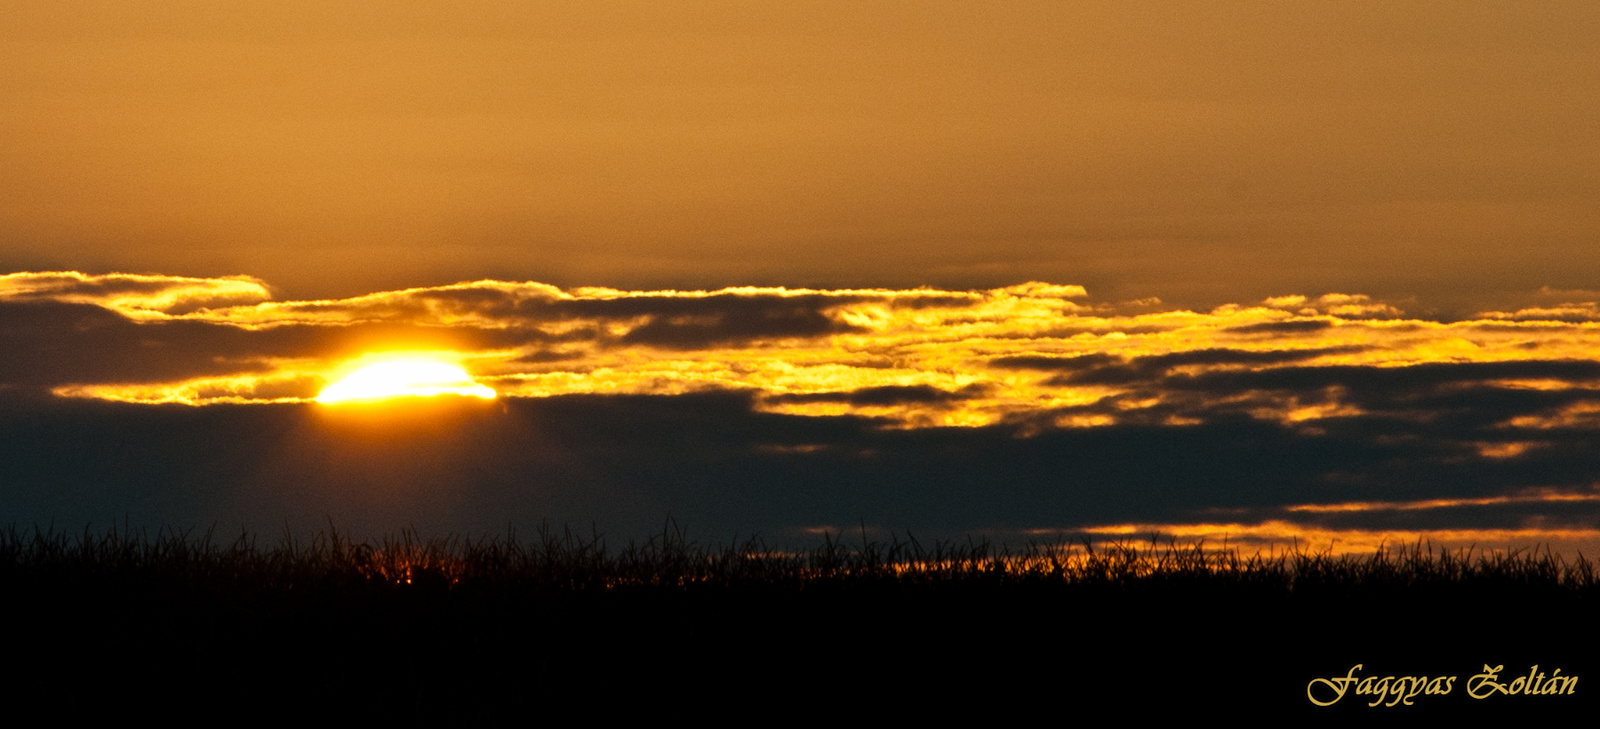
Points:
point(1201, 152)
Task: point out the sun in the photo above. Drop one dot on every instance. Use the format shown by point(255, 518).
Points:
point(404, 376)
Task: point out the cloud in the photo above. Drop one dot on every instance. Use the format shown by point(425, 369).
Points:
point(1040, 353)
point(1025, 407)
point(886, 396)
point(136, 296)
point(1348, 306)
point(1148, 414)
point(1569, 312)
point(721, 464)
point(1107, 370)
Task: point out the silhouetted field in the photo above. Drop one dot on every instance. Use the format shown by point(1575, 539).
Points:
point(506, 628)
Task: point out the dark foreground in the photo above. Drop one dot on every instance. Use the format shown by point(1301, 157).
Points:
point(126, 627)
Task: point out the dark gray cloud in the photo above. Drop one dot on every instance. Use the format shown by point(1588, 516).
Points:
point(1389, 382)
point(1298, 326)
point(887, 395)
point(1100, 369)
point(719, 466)
point(728, 320)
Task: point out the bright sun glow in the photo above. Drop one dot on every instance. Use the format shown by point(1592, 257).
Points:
point(404, 377)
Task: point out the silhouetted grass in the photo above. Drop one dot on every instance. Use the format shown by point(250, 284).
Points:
point(563, 561)
point(503, 626)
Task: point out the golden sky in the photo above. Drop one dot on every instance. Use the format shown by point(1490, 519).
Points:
point(1215, 268)
point(1203, 152)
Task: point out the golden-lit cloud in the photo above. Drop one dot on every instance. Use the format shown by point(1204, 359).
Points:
point(1284, 536)
point(1564, 306)
point(290, 387)
point(1562, 520)
point(1536, 498)
point(1039, 353)
point(136, 296)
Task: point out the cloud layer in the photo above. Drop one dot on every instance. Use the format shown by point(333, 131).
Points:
point(1026, 409)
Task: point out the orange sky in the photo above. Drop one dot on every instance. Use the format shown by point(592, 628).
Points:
point(1203, 152)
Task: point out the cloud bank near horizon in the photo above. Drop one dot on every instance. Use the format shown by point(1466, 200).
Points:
point(1294, 417)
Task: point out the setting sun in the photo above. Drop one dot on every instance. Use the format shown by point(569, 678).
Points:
point(404, 377)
